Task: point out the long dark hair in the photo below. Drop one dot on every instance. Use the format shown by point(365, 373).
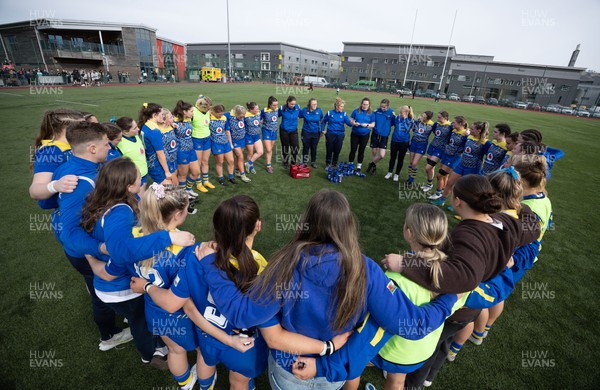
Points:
point(327, 219)
point(111, 188)
point(146, 112)
point(180, 107)
point(233, 221)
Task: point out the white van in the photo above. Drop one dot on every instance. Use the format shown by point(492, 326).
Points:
point(315, 81)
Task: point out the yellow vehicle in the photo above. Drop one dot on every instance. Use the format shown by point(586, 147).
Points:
point(211, 74)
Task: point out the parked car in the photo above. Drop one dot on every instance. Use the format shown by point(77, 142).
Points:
point(479, 99)
point(442, 96)
point(596, 114)
point(492, 101)
point(505, 102)
point(404, 91)
point(468, 98)
point(454, 97)
point(582, 112)
point(566, 110)
point(553, 108)
point(521, 105)
point(534, 107)
point(364, 85)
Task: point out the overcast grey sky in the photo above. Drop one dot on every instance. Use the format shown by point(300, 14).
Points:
point(537, 31)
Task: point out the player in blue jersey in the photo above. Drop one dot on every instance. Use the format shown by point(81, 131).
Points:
point(476, 148)
point(253, 142)
point(269, 116)
point(312, 116)
point(403, 125)
point(451, 155)
point(418, 144)
point(535, 136)
point(114, 134)
point(384, 120)
point(441, 134)
point(336, 132)
point(169, 141)
point(188, 168)
point(109, 214)
point(236, 124)
point(90, 148)
point(220, 143)
point(289, 131)
point(235, 265)
point(50, 150)
point(363, 120)
point(498, 149)
point(150, 119)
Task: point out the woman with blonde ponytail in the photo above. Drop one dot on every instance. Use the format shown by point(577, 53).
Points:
point(426, 231)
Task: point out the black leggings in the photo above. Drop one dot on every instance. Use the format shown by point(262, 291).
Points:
point(398, 151)
point(358, 142)
point(289, 146)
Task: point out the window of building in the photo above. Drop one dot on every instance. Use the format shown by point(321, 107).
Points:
point(239, 65)
point(239, 56)
point(394, 61)
point(478, 80)
point(355, 59)
point(11, 40)
point(385, 60)
point(564, 88)
point(375, 61)
point(435, 76)
point(265, 57)
point(265, 66)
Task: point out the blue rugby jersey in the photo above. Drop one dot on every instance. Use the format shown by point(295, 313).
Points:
point(269, 118)
point(252, 123)
point(152, 138)
point(218, 133)
point(494, 157)
point(169, 141)
point(335, 122)
point(441, 134)
point(456, 143)
point(474, 153)
point(236, 126)
point(421, 131)
point(312, 120)
point(183, 135)
point(47, 158)
point(384, 121)
point(402, 129)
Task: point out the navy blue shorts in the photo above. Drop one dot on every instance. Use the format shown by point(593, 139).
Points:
point(378, 141)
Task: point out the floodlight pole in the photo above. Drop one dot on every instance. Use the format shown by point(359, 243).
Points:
point(409, 49)
point(447, 51)
point(228, 43)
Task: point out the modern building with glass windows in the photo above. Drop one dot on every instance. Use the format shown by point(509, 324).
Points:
point(59, 44)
